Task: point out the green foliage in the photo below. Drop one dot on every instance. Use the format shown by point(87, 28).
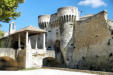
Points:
point(8, 9)
point(2, 43)
point(1, 32)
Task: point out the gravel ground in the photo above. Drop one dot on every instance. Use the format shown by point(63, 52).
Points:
point(43, 72)
point(54, 71)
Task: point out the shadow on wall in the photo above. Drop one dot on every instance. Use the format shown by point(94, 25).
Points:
point(58, 53)
point(8, 63)
point(52, 62)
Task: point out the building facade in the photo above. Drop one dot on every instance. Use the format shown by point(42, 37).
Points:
point(83, 42)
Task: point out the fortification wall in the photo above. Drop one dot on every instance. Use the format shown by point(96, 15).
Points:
point(93, 43)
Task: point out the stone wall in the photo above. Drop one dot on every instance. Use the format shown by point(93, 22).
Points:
point(39, 55)
point(7, 52)
point(53, 34)
point(50, 53)
point(93, 43)
point(21, 58)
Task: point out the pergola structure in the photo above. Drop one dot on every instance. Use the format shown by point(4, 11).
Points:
point(22, 36)
point(25, 33)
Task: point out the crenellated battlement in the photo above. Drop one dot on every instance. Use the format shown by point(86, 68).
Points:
point(64, 14)
point(54, 20)
point(43, 21)
point(68, 13)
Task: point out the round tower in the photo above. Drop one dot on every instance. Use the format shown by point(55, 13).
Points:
point(43, 21)
point(67, 17)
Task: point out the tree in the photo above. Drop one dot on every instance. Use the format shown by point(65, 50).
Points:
point(1, 32)
point(8, 10)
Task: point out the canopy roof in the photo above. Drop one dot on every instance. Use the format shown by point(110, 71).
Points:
point(31, 29)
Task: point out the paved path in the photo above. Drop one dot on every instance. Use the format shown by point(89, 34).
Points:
point(43, 72)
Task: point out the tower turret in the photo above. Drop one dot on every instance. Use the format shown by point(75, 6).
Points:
point(43, 21)
point(68, 13)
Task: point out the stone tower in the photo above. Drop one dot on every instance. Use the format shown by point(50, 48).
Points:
point(67, 17)
point(43, 21)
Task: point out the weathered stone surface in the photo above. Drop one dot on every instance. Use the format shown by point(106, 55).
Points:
point(58, 53)
point(93, 42)
point(21, 59)
point(7, 63)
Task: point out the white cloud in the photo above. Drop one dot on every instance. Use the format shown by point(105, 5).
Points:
point(93, 3)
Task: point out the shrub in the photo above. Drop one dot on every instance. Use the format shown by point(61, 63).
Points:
point(7, 63)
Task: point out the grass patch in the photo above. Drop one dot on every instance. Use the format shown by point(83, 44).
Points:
point(25, 69)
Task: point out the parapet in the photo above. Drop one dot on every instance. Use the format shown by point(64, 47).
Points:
point(43, 21)
point(53, 20)
point(69, 11)
point(43, 18)
point(53, 17)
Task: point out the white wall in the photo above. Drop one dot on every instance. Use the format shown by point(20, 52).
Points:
point(7, 52)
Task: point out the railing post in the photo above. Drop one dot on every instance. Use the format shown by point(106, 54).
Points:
point(19, 42)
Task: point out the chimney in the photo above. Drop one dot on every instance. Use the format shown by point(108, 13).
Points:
point(12, 27)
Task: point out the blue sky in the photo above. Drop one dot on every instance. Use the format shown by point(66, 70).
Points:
point(31, 9)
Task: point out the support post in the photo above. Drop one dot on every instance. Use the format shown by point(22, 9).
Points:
point(27, 43)
point(19, 41)
point(36, 37)
point(9, 41)
point(44, 47)
point(28, 63)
